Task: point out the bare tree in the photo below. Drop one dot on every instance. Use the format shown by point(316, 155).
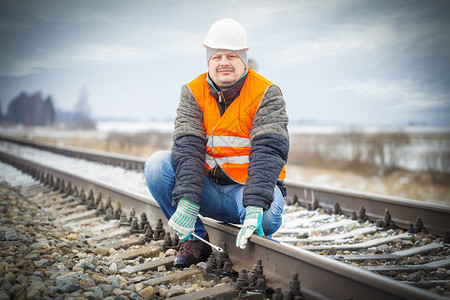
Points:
point(83, 111)
point(385, 150)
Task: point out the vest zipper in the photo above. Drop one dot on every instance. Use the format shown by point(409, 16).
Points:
point(222, 97)
point(226, 104)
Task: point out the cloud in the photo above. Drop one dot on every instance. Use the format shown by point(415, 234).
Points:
point(27, 66)
point(257, 14)
point(346, 40)
point(89, 54)
point(161, 40)
point(376, 35)
point(103, 53)
point(67, 12)
point(140, 46)
point(397, 95)
point(13, 26)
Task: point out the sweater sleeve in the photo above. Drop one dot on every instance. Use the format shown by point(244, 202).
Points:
point(269, 149)
point(189, 119)
point(271, 115)
point(188, 150)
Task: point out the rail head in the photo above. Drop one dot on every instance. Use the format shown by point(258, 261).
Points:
point(435, 217)
point(75, 151)
point(369, 196)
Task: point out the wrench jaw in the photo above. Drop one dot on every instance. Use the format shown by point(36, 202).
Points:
point(217, 248)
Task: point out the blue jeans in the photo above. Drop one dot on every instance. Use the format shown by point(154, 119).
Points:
point(220, 202)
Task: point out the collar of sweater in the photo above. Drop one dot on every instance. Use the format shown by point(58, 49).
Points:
point(229, 94)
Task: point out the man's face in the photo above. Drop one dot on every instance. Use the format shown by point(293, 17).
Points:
point(225, 68)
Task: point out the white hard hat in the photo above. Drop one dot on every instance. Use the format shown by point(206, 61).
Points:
point(226, 34)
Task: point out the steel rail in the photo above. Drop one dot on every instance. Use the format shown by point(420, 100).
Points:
point(99, 156)
point(435, 217)
point(403, 211)
point(320, 277)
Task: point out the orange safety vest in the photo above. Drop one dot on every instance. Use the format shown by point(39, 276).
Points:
point(228, 137)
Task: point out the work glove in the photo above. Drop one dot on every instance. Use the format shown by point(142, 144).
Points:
point(183, 220)
point(252, 224)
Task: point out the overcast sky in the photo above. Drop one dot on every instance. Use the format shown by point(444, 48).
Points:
point(345, 61)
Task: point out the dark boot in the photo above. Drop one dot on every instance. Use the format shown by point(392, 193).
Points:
point(192, 252)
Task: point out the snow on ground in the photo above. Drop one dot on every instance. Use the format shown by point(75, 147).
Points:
point(399, 184)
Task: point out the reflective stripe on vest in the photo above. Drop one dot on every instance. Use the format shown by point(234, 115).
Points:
point(228, 140)
point(221, 160)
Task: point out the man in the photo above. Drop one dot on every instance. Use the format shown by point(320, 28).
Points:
point(230, 147)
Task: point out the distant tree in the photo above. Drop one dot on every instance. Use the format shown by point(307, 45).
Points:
point(14, 108)
point(83, 111)
point(48, 112)
point(22, 109)
point(1, 113)
point(31, 110)
point(385, 150)
point(63, 116)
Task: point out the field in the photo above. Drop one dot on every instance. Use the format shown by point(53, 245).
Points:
point(376, 162)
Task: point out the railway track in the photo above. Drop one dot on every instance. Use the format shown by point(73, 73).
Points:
point(341, 236)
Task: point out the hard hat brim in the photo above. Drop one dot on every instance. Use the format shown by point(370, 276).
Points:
point(225, 47)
